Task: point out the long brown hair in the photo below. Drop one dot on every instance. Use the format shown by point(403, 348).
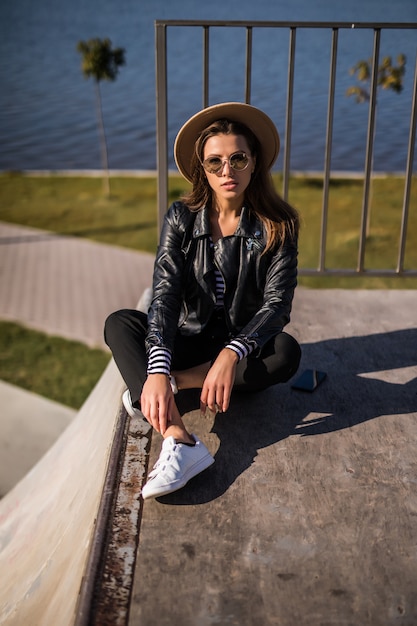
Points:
point(280, 219)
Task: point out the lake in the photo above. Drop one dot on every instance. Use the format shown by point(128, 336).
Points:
point(47, 108)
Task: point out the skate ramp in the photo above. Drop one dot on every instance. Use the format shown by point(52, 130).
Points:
point(66, 286)
point(47, 520)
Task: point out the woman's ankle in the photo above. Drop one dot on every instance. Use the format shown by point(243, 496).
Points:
point(180, 434)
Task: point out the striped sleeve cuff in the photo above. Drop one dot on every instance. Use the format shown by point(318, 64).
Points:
point(242, 348)
point(159, 361)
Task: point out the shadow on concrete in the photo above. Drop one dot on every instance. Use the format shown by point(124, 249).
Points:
point(365, 381)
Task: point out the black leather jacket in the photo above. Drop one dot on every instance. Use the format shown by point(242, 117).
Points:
point(258, 288)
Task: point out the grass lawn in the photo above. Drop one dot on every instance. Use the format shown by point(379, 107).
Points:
point(343, 230)
point(76, 206)
point(62, 370)
point(66, 371)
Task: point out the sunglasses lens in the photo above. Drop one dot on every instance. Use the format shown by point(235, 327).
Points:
point(238, 161)
point(213, 165)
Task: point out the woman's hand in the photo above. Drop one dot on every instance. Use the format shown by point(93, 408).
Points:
point(157, 401)
point(218, 384)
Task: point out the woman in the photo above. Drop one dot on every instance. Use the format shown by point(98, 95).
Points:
point(223, 284)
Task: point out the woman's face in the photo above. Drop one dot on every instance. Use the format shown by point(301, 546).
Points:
point(228, 184)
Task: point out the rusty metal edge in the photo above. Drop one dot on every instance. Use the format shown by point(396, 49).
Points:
point(106, 587)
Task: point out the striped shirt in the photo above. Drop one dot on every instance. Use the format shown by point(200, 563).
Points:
point(159, 361)
point(219, 289)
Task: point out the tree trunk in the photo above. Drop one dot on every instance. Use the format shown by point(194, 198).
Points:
point(103, 142)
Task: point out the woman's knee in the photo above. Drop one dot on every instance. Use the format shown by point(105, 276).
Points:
point(288, 351)
point(277, 363)
point(112, 326)
point(123, 323)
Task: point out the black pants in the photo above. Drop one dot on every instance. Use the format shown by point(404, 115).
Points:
point(125, 333)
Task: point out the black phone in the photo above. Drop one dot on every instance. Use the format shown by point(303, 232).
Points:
point(309, 380)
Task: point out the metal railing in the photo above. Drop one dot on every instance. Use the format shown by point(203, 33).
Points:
point(162, 57)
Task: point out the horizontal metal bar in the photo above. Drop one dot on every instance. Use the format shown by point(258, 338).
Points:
point(354, 272)
point(263, 24)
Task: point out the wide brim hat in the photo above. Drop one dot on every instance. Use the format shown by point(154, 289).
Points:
point(256, 120)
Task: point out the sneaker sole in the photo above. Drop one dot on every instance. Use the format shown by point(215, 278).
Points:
point(199, 467)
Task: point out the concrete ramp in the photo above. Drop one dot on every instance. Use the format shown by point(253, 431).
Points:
point(66, 286)
point(47, 520)
point(307, 517)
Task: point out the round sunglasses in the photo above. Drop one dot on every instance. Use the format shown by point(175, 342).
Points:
point(238, 161)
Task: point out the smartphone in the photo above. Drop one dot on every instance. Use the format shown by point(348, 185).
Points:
point(309, 380)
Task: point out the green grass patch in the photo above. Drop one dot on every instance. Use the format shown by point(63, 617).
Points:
point(62, 370)
point(344, 226)
point(76, 206)
point(66, 371)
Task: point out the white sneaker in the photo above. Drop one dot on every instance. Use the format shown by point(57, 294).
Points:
point(177, 464)
point(127, 403)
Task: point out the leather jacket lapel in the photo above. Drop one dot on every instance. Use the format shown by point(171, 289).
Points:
point(203, 258)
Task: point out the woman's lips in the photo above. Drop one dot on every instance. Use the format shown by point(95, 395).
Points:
point(229, 184)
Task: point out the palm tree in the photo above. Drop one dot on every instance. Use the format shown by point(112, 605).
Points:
point(101, 62)
point(390, 77)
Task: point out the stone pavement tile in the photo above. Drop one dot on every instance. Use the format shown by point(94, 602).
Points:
point(65, 285)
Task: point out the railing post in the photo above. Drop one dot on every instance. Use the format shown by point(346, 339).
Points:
point(327, 162)
point(206, 49)
point(248, 72)
point(369, 150)
point(161, 120)
point(408, 176)
point(288, 122)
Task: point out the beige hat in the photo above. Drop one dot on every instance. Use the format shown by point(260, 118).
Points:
point(256, 120)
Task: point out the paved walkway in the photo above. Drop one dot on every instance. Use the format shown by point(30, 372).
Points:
point(66, 285)
point(308, 515)
point(63, 286)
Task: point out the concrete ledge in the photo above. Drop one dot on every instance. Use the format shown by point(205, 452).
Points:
point(307, 516)
point(47, 520)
